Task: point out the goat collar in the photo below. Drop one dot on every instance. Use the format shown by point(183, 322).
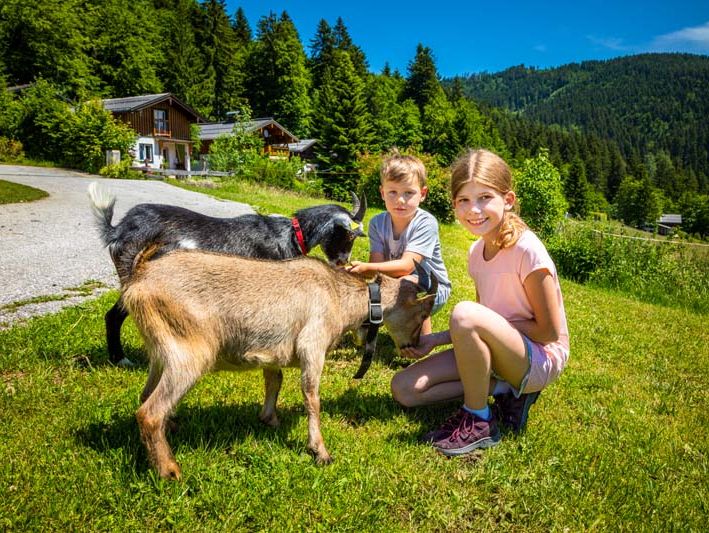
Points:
point(299, 235)
point(375, 319)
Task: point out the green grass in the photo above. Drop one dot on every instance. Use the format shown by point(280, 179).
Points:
point(12, 193)
point(621, 441)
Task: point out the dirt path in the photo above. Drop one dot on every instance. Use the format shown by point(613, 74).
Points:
point(51, 246)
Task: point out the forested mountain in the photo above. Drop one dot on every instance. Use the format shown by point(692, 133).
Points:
point(610, 127)
point(653, 106)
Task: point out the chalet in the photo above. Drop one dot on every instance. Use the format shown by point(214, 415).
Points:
point(163, 125)
point(305, 149)
point(276, 138)
point(667, 223)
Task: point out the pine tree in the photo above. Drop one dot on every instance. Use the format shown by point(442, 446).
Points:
point(321, 47)
point(422, 83)
point(242, 30)
point(343, 41)
point(126, 47)
point(342, 123)
point(182, 71)
point(279, 81)
point(577, 189)
point(223, 55)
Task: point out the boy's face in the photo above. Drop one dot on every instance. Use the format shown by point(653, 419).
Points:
point(402, 198)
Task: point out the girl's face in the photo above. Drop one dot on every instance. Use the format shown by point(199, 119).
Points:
point(480, 208)
point(402, 198)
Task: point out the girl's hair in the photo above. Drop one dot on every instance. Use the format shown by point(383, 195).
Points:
point(486, 168)
point(397, 167)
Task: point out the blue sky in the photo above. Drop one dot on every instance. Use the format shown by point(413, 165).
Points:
point(474, 36)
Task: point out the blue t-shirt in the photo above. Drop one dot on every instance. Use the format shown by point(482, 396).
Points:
point(420, 237)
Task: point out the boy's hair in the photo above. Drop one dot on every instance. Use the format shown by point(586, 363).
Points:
point(489, 169)
point(399, 167)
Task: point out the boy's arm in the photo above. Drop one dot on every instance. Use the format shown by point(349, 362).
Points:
point(395, 268)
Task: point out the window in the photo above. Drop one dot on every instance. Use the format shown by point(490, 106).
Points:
point(161, 124)
point(145, 152)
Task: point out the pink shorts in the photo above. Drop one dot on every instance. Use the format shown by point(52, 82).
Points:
point(546, 361)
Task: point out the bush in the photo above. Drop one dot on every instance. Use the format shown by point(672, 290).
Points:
point(10, 150)
point(120, 170)
point(276, 173)
point(541, 195)
point(665, 273)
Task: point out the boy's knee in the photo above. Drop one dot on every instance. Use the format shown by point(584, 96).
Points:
point(401, 390)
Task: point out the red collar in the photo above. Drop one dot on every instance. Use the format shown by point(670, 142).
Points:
point(299, 235)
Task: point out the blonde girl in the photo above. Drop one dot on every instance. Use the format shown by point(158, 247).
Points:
point(513, 341)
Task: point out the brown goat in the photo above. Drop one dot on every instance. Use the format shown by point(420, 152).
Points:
point(200, 311)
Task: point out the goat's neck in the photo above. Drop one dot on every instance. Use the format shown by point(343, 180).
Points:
point(355, 300)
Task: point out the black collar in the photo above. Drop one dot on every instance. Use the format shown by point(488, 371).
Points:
point(374, 320)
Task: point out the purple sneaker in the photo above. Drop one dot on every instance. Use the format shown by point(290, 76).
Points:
point(471, 434)
point(445, 430)
point(513, 412)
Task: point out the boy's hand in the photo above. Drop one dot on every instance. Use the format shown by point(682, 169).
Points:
point(423, 348)
point(358, 267)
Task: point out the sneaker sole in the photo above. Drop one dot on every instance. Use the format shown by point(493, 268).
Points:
point(487, 442)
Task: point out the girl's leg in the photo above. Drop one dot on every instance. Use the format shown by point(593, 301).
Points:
point(430, 380)
point(484, 341)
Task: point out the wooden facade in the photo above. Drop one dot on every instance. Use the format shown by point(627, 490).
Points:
point(162, 121)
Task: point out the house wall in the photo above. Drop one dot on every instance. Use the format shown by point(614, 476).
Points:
point(143, 121)
point(165, 153)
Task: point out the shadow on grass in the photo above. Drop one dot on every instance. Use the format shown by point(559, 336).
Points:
point(224, 427)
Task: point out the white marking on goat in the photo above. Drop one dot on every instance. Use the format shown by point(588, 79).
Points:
point(188, 244)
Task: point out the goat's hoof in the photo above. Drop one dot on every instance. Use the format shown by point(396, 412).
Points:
point(125, 363)
point(170, 470)
point(323, 459)
point(270, 419)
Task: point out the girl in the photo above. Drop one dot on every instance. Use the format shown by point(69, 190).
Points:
point(513, 342)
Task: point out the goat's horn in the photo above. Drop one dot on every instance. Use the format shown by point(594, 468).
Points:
point(358, 207)
point(428, 282)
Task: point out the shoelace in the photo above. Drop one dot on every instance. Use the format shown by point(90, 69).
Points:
point(464, 429)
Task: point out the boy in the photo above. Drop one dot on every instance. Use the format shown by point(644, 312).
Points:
point(405, 233)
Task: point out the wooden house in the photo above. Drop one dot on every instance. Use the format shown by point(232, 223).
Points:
point(276, 138)
point(163, 125)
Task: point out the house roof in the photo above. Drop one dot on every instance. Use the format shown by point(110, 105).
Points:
point(136, 103)
point(302, 145)
point(209, 132)
point(670, 219)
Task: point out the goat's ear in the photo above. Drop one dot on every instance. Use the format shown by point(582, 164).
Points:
point(359, 206)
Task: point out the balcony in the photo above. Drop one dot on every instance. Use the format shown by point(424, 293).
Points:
point(161, 128)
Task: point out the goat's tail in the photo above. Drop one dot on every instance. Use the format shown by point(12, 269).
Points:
point(143, 257)
point(102, 202)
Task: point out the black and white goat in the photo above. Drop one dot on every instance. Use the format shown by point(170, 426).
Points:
point(330, 226)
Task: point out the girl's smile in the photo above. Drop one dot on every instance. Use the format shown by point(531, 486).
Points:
point(481, 208)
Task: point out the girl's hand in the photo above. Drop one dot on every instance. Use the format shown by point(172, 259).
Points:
point(423, 348)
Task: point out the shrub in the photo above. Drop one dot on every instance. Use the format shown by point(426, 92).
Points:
point(120, 170)
point(541, 195)
point(10, 149)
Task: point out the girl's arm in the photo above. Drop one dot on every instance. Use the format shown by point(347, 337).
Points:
point(426, 344)
point(546, 324)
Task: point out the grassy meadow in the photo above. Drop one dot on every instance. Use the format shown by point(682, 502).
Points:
point(619, 442)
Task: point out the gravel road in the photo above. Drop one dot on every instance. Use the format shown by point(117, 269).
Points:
point(50, 246)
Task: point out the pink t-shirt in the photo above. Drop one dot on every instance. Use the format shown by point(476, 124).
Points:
point(499, 281)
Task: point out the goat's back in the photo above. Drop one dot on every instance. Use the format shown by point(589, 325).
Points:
point(236, 304)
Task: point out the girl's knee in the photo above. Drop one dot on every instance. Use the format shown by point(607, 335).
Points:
point(465, 316)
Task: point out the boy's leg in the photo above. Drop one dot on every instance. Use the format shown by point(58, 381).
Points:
point(426, 327)
point(430, 380)
point(483, 340)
